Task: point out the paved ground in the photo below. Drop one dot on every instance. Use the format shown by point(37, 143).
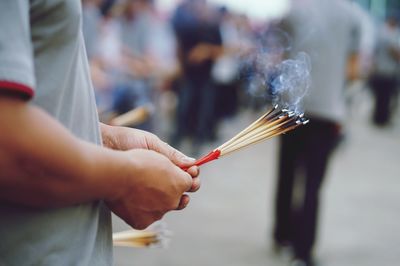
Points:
point(229, 219)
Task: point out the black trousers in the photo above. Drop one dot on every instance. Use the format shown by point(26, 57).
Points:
point(196, 110)
point(385, 92)
point(304, 154)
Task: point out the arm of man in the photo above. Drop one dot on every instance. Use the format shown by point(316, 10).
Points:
point(44, 165)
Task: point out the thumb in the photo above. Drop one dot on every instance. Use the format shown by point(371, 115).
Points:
point(177, 157)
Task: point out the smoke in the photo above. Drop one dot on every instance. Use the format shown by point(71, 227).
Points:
point(275, 41)
point(277, 81)
point(289, 82)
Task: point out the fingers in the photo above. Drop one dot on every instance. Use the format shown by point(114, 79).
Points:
point(195, 185)
point(187, 181)
point(192, 185)
point(183, 202)
point(194, 171)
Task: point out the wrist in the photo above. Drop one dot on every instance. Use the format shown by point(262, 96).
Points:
point(107, 172)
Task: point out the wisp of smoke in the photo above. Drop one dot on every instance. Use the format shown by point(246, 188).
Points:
point(276, 81)
point(287, 83)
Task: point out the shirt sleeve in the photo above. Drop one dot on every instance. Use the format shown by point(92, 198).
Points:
point(16, 52)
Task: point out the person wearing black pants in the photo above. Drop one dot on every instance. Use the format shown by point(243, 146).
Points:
point(384, 90)
point(304, 153)
point(199, 40)
point(195, 112)
point(384, 79)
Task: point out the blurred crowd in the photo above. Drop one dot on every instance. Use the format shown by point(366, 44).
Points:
point(198, 65)
point(141, 58)
point(146, 64)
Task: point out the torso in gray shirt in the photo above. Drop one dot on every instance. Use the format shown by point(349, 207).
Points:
point(324, 30)
point(41, 47)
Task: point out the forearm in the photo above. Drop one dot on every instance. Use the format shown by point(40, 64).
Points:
point(44, 165)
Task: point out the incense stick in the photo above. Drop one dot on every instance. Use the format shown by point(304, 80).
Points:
point(261, 130)
point(247, 129)
point(258, 139)
point(135, 238)
point(156, 235)
point(133, 117)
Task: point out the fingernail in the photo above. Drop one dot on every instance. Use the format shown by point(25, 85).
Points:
point(188, 159)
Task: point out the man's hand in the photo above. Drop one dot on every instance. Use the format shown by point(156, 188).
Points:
point(203, 52)
point(153, 186)
point(200, 53)
point(155, 183)
point(123, 139)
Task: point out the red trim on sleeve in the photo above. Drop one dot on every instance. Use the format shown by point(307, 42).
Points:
point(17, 87)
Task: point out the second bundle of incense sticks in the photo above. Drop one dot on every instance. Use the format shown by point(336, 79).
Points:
point(157, 235)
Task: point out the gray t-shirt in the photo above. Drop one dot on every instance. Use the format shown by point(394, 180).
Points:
point(42, 56)
point(324, 29)
point(388, 41)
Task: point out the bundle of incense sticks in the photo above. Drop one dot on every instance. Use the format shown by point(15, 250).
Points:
point(134, 117)
point(157, 235)
point(273, 123)
point(135, 238)
point(140, 238)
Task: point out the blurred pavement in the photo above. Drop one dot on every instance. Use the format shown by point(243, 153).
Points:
point(229, 220)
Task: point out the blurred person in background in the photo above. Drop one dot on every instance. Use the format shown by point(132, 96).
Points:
point(148, 39)
point(135, 53)
point(384, 80)
point(106, 55)
point(324, 29)
point(149, 46)
point(225, 71)
point(58, 184)
point(197, 30)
